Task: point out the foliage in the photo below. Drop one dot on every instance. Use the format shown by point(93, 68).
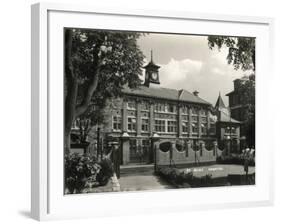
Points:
point(246, 91)
point(119, 59)
point(236, 179)
point(241, 50)
point(241, 54)
point(98, 64)
point(84, 170)
point(235, 159)
point(78, 170)
point(183, 179)
point(106, 171)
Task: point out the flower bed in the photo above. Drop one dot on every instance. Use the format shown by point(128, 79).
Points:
point(182, 179)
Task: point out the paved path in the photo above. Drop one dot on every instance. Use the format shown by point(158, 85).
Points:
point(144, 180)
point(218, 170)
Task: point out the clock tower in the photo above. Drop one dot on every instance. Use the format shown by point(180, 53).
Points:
point(151, 72)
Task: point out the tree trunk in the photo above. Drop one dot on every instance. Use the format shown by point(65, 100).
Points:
point(71, 110)
point(92, 86)
point(71, 90)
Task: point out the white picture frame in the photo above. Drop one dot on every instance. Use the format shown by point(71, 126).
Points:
point(48, 201)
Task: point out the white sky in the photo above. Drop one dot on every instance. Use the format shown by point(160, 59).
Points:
point(187, 63)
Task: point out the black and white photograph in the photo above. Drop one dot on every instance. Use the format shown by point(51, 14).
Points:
point(157, 111)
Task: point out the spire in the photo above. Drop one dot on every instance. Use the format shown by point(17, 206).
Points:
point(151, 63)
point(220, 104)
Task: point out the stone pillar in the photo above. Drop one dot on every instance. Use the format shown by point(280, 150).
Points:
point(151, 118)
point(202, 148)
point(138, 118)
point(215, 152)
point(126, 151)
point(124, 116)
point(173, 148)
point(180, 121)
point(188, 149)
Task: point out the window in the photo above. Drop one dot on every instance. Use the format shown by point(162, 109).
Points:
point(145, 106)
point(204, 129)
point(194, 111)
point(159, 126)
point(160, 107)
point(131, 124)
point(75, 124)
point(185, 110)
point(172, 126)
point(144, 124)
point(131, 105)
point(194, 127)
point(116, 123)
point(203, 113)
point(194, 118)
point(233, 130)
point(170, 108)
point(185, 125)
point(204, 120)
point(212, 128)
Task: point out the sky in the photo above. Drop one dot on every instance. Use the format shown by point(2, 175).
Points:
point(187, 63)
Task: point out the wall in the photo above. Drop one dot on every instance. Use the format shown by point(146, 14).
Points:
point(15, 111)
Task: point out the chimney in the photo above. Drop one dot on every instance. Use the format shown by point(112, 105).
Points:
point(195, 93)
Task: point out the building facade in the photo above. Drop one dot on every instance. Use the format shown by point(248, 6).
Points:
point(165, 126)
point(228, 129)
point(241, 108)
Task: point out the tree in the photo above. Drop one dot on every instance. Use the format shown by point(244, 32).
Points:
point(241, 50)
point(241, 54)
point(97, 66)
point(246, 90)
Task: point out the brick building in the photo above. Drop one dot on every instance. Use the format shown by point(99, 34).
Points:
point(165, 125)
point(228, 128)
point(239, 108)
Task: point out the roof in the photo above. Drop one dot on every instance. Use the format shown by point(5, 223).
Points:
point(219, 103)
point(165, 93)
point(224, 117)
point(230, 93)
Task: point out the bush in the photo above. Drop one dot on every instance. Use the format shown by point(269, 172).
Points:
point(235, 159)
point(106, 171)
point(83, 171)
point(78, 171)
point(181, 178)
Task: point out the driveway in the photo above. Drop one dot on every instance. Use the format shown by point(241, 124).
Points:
point(139, 179)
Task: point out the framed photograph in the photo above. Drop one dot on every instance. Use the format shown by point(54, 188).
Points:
point(139, 111)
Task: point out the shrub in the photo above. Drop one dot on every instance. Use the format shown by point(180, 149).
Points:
point(181, 178)
point(83, 171)
point(106, 171)
point(235, 159)
point(78, 170)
